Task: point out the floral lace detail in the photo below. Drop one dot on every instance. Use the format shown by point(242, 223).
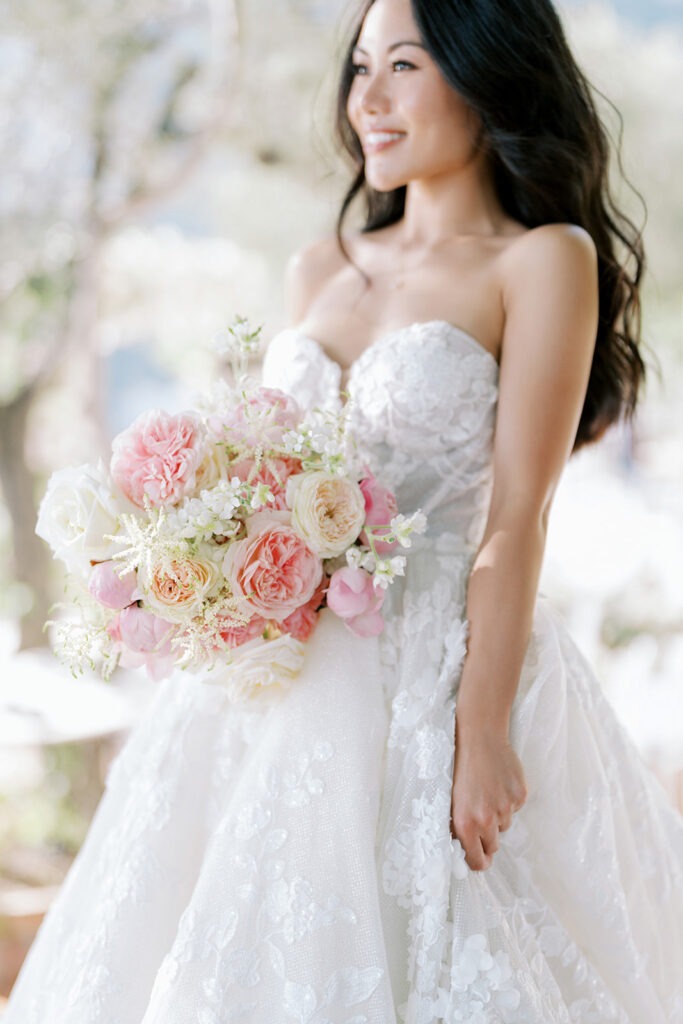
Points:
point(276, 910)
point(290, 860)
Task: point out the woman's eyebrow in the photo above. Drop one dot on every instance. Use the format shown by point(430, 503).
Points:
point(394, 46)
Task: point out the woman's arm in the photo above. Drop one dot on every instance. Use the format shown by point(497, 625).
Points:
point(551, 302)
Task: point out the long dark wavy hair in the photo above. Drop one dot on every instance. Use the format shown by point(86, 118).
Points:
point(549, 152)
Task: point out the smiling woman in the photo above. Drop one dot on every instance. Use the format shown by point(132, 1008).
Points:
point(387, 106)
point(443, 822)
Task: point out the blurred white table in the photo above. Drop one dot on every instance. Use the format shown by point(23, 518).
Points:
point(42, 704)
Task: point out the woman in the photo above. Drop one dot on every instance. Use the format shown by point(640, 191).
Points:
point(444, 823)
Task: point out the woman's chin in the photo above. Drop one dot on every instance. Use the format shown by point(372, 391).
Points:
point(383, 182)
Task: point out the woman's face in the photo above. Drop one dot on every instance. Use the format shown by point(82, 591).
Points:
point(411, 124)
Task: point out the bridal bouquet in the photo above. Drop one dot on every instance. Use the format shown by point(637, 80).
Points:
point(213, 538)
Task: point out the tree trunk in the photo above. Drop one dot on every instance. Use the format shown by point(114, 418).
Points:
point(31, 563)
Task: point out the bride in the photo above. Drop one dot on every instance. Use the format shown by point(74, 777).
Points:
point(444, 823)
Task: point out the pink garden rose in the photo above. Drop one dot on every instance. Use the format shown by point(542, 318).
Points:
point(272, 568)
point(110, 589)
point(352, 596)
point(301, 623)
point(234, 636)
point(380, 509)
point(262, 418)
point(158, 457)
point(273, 471)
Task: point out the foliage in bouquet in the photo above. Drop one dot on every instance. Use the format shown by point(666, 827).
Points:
point(215, 537)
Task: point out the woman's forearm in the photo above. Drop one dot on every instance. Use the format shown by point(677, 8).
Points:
point(500, 603)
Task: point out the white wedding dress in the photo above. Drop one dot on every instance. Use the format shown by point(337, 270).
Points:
point(289, 858)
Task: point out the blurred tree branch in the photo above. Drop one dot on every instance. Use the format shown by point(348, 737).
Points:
point(107, 109)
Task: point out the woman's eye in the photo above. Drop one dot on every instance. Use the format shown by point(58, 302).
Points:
point(398, 64)
point(358, 69)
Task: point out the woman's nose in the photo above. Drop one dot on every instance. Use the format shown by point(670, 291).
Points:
point(375, 96)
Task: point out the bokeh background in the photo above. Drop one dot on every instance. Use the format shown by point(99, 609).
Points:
point(160, 161)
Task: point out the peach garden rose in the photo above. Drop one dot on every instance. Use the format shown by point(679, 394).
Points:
point(178, 590)
point(273, 568)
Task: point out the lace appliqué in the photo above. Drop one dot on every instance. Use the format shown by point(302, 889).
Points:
point(276, 909)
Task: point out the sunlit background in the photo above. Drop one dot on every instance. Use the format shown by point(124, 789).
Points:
point(160, 161)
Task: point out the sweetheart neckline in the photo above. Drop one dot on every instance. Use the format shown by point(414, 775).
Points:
point(460, 331)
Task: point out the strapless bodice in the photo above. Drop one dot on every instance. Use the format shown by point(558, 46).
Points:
point(421, 401)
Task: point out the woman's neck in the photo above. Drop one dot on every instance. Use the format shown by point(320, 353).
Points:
point(451, 205)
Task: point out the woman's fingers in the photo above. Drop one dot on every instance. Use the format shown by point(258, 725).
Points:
point(476, 856)
point(490, 842)
point(478, 843)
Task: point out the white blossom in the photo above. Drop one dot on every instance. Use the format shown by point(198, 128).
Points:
point(402, 526)
point(387, 569)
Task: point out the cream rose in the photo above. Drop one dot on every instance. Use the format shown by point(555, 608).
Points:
point(80, 507)
point(212, 468)
point(259, 665)
point(178, 591)
point(327, 510)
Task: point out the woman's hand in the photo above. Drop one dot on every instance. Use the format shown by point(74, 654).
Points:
point(488, 787)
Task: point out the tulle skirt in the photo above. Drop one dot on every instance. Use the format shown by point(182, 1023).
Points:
point(288, 858)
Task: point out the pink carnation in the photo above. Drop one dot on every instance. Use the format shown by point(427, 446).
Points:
point(272, 568)
point(352, 596)
point(274, 472)
point(110, 589)
point(263, 418)
point(380, 509)
point(158, 456)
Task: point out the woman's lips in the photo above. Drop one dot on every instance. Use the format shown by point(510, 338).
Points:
point(375, 142)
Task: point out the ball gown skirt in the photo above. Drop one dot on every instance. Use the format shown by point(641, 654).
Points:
point(288, 857)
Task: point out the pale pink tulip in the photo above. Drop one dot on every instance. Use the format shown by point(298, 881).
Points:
point(110, 589)
point(352, 596)
point(143, 632)
point(380, 509)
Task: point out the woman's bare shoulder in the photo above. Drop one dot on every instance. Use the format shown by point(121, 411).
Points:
point(308, 270)
point(555, 242)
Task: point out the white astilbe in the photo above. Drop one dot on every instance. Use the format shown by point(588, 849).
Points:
point(151, 543)
point(200, 640)
point(82, 643)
